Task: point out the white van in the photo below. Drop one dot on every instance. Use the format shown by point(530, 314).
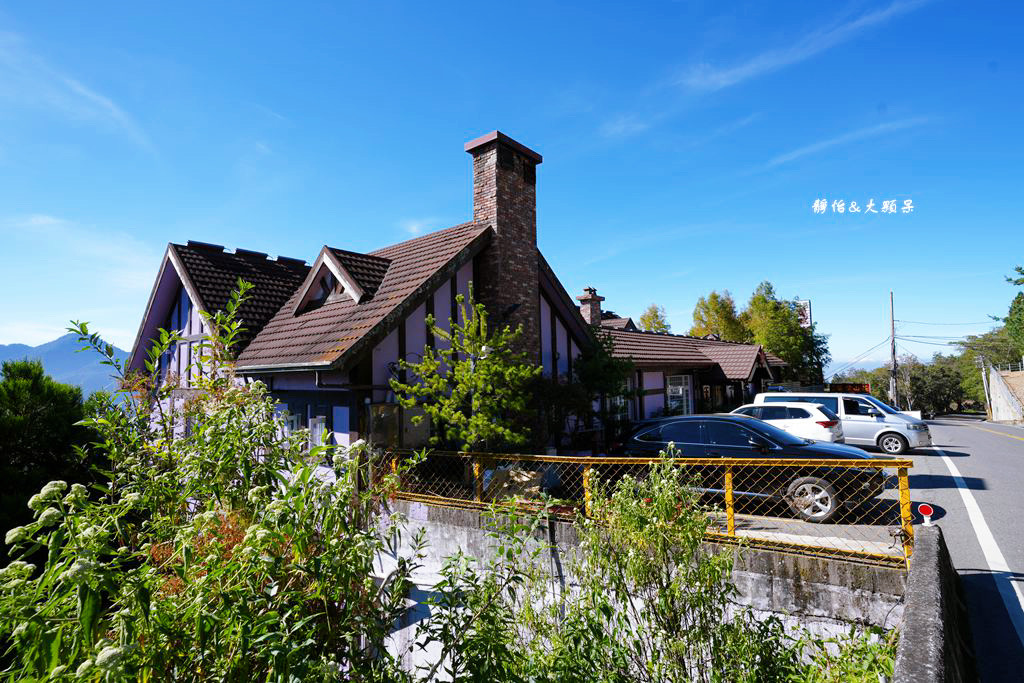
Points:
point(866, 420)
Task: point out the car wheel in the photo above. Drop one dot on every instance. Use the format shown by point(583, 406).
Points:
point(812, 499)
point(893, 444)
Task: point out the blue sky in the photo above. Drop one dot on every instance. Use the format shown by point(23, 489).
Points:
point(685, 144)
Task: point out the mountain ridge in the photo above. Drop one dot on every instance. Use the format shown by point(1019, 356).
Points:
point(62, 361)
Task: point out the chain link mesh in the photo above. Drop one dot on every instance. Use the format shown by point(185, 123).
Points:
point(855, 509)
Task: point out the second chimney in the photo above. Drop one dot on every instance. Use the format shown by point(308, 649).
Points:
point(590, 306)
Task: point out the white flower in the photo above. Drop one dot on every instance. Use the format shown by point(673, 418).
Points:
point(84, 668)
point(20, 629)
point(257, 494)
point(49, 517)
point(16, 535)
point(131, 499)
point(78, 494)
point(78, 571)
point(17, 570)
point(53, 490)
point(356, 445)
point(36, 503)
point(339, 460)
point(57, 672)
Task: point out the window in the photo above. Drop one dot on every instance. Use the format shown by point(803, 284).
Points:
point(679, 400)
point(727, 434)
point(797, 413)
point(829, 402)
point(828, 413)
point(684, 431)
point(774, 413)
point(752, 411)
point(856, 406)
point(619, 407)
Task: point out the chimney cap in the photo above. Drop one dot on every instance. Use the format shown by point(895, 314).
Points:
point(589, 294)
point(496, 135)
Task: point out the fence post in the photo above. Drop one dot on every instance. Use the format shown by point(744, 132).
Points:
point(478, 480)
point(586, 490)
point(906, 516)
point(730, 507)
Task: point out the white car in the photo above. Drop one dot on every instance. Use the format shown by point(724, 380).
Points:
point(806, 420)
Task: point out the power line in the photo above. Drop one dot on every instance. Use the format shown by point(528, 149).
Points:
point(918, 322)
point(860, 357)
point(930, 343)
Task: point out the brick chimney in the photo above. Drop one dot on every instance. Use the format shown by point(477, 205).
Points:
point(505, 198)
point(590, 306)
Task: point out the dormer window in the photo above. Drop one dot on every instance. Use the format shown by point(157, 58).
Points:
point(329, 281)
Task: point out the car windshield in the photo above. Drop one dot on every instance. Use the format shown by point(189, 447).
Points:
point(885, 408)
point(779, 436)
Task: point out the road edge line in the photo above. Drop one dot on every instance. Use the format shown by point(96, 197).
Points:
point(1008, 590)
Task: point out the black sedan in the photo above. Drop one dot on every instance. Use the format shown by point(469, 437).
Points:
point(815, 494)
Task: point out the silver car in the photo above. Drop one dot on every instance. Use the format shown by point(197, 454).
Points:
point(866, 420)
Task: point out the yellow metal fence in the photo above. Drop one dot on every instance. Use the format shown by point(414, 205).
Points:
point(858, 510)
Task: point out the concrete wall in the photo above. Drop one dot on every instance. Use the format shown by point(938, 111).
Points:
point(1006, 407)
point(935, 638)
point(826, 596)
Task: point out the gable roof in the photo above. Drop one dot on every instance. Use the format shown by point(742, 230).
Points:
point(399, 275)
point(619, 323)
point(648, 349)
point(210, 274)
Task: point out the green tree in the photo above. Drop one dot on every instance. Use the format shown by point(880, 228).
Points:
point(774, 324)
point(716, 314)
point(653, 319)
point(1014, 321)
point(599, 381)
point(40, 439)
point(475, 387)
point(995, 346)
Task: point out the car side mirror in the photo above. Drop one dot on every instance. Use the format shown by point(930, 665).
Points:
point(758, 445)
point(874, 413)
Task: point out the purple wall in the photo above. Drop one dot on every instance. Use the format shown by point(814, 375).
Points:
point(384, 353)
point(545, 337)
point(561, 348)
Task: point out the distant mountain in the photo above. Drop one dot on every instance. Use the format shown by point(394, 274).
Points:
point(64, 363)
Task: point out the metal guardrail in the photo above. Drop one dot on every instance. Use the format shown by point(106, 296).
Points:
point(1010, 367)
point(828, 508)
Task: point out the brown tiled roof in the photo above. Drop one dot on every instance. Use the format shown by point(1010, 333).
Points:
point(367, 269)
point(324, 336)
point(214, 273)
point(619, 323)
point(736, 360)
point(648, 348)
point(774, 361)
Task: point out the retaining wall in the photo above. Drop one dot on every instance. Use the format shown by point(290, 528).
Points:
point(823, 595)
point(935, 639)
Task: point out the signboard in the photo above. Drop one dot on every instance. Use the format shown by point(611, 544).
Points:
point(848, 388)
point(803, 312)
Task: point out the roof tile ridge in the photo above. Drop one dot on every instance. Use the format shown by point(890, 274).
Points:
point(418, 238)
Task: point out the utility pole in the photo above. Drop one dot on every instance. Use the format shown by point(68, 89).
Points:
point(892, 332)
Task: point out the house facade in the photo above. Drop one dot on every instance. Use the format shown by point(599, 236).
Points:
point(327, 337)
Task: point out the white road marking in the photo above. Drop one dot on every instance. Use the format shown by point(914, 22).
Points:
point(1009, 590)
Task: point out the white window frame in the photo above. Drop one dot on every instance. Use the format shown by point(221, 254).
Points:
point(679, 389)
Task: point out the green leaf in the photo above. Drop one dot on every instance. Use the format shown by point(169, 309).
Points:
point(88, 613)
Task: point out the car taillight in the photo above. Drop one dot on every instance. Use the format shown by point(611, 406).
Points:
point(828, 423)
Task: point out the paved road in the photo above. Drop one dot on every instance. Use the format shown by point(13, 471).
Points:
point(990, 461)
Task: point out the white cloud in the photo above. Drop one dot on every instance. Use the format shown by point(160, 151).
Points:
point(853, 136)
point(707, 77)
point(58, 270)
point(418, 226)
point(29, 80)
point(623, 126)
